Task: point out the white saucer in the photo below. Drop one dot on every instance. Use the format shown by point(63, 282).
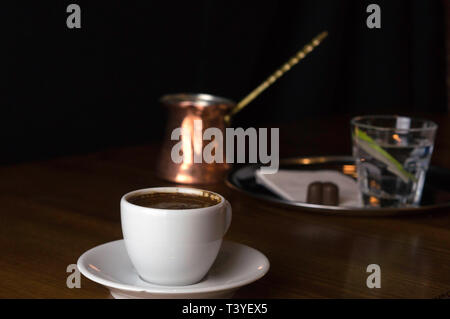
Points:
point(236, 265)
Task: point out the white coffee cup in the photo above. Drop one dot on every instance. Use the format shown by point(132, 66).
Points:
point(173, 247)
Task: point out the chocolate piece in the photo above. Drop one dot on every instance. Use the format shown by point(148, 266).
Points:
point(330, 194)
point(314, 193)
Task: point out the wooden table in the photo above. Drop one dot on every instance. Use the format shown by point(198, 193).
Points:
point(54, 210)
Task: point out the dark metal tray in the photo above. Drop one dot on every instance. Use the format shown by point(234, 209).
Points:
point(436, 193)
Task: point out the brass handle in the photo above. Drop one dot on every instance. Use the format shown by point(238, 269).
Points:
point(300, 55)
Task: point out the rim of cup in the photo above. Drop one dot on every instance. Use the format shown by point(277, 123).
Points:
point(356, 121)
point(172, 189)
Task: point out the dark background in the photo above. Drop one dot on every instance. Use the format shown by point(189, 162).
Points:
point(78, 90)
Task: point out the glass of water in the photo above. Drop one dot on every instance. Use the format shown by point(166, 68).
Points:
point(392, 155)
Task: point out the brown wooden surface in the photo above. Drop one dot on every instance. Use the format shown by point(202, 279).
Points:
point(54, 210)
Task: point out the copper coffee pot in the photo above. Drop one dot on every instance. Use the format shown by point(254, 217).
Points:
point(184, 109)
point(209, 111)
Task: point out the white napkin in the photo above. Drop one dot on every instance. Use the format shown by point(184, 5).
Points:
point(293, 185)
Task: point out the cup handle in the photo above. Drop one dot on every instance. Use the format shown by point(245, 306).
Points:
point(228, 214)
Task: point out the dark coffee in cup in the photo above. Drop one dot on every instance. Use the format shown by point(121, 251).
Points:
point(175, 200)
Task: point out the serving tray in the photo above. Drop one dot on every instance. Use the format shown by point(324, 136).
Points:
point(436, 193)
